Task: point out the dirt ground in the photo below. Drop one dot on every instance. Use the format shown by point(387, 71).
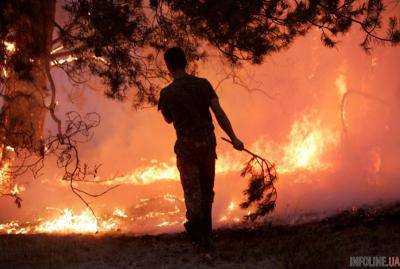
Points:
point(324, 244)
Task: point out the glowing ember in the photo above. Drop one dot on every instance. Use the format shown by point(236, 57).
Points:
point(57, 49)
point(67, 59)
point(10, 47)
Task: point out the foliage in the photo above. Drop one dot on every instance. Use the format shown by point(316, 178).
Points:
point(261, 191)
point(120, 41)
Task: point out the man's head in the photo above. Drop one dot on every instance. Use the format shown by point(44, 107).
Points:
point(175, 60)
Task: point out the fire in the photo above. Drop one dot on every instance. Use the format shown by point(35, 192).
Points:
point(17, 189)
point(67, 59)
point(147, 212)
point(375, 162)
point(67, 221)
point(341, 84)
point(231, 214)
point(308, 143)
point(5, 179)
point(227, 163)
point(156, 170)
point(119, 212)
point(6, 182)
point(70, 222)
point(232, 206)
point(10, 47)
point(7, 186)
point(168, 223)
point(305, 150)
point(13, 227)
point(151, 173)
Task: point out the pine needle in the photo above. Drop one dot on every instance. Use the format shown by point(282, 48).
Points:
point(261, 191)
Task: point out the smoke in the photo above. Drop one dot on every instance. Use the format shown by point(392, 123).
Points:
point(330, 153)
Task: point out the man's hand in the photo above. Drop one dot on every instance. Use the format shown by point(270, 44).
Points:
point(237, 144)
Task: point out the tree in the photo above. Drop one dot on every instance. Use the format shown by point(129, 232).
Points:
point(119, 42)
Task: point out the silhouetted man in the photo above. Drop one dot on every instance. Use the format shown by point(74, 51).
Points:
point(186, 103)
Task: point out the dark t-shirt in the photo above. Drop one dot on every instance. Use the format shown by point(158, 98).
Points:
point(186, 102)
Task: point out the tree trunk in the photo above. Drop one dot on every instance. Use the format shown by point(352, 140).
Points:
point(24, 110)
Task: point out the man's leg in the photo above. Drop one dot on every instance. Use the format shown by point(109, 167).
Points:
point(207, 175)
point(190, 180)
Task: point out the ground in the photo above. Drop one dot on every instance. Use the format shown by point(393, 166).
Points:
point(324, 244)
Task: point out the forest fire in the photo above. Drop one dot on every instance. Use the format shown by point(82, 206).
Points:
point(304, 151)
point(94, 94)
point(67, 220)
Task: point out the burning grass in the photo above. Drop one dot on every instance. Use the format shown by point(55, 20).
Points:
point(328, 243)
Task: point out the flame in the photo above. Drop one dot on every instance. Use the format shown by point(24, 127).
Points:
point(84, 222)
point(375, 161)
point(17, 189)
point(156, 170)
point(119, 212)
point(168, 223)
point(13, 227)
point(147, 174)
point(305, 150)
point(70, 222)
point(56, 49)
point(159, 170)
point(232, 206)
point(7, 185)
point(5, 178)
point(232, 213)
point(227, 163)
point(67, 59)
point(308, 143)
point(10, 47)
point(341, 84)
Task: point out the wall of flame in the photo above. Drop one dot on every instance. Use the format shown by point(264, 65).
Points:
point(299, 122)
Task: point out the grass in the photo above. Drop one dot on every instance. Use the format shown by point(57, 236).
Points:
point(324, 244)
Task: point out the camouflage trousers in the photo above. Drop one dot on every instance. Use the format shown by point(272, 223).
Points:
point(197, 179)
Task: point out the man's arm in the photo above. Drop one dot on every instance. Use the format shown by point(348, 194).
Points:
point(225, 124)
point(163, 108)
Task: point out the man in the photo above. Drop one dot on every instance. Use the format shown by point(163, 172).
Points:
point(186, 103)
